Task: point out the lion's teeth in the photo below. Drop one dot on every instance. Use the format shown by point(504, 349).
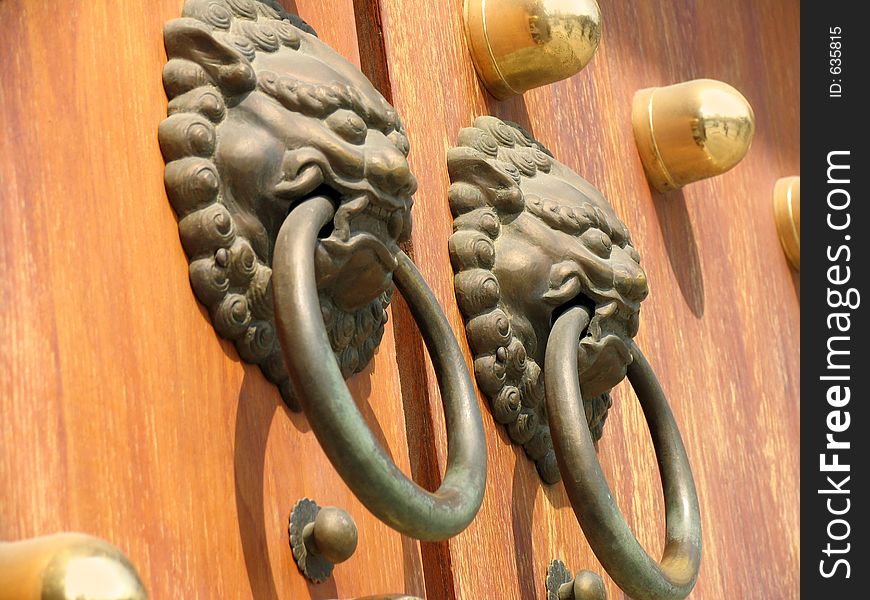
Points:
point(379, 212)
point(607, 310)
point(396, 224)
point(357, 205)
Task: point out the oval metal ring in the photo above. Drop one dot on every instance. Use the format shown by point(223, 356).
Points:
point(609, 535)
point(332, 413)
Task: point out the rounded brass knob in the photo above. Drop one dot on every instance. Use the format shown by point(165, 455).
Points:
point(690, 131)
point(586, 586)
point(332, 535)
point(320, 538)
point(787, 213)
point(517, 45)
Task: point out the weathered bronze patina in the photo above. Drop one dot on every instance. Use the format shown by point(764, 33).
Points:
point(283, 160)
point(550, 286)
point(336, 421)
point(634, 571)
point(532, 237)
point(262, 116)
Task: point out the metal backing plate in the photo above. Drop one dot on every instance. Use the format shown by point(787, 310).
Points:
point(314, 567)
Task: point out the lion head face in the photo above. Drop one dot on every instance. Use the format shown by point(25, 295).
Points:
point(262, 116)
point(532, 238)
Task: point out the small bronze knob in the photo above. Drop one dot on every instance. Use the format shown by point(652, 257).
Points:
point(332, 535)
point(787, 213)
point(320, 538)
point(517, 45)
point(690, 131)
point(585, 585)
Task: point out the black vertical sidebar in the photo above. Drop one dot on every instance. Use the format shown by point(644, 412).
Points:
point(835, 354)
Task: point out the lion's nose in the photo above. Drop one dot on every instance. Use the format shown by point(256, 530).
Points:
point(388, 169)
point(631, 285)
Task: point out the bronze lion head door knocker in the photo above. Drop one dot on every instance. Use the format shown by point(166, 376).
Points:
point(288, 174)
point(550, 287)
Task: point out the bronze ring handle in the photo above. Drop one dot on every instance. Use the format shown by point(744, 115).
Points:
point(335, 419)
point(609, 535)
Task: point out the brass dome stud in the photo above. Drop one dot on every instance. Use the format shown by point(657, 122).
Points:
point(517, 45)
point(787, 214)
point(690, 131)
point(67, 566)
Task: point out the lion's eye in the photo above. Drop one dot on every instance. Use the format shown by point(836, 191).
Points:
point(597, 241)
point(348, 125)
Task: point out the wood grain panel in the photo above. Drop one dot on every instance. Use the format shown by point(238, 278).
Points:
point(124, 415)
point(721, 325)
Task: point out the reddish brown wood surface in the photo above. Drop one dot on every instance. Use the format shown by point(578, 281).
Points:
point(124, 415)
point(721, 326)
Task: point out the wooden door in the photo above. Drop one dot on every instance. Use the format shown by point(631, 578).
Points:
point(125, 416)
point(721, 325)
